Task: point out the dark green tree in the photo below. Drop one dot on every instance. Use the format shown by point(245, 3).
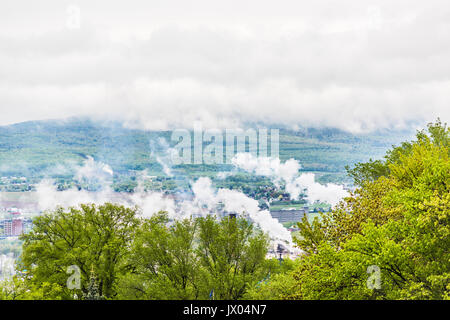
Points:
point(92, 291)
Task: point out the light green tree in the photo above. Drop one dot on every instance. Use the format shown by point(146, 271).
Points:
point(196, 258)
point(91, 236)
point(396, 222)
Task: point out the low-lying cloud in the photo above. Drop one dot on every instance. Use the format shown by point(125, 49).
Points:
point(162, 66)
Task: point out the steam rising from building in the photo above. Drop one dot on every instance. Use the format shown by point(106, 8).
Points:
point(7, 263)
point(287, 173)
point(205, 200)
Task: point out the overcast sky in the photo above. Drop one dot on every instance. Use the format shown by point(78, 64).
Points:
point(356, 65)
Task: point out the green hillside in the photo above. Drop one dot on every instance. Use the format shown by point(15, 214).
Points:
point(50, 148)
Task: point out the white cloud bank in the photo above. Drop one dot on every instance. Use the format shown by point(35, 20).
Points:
point(160, 65)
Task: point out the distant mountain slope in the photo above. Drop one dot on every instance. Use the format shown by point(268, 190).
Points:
point(39, 148)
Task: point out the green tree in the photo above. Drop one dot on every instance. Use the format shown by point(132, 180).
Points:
point(279, 282)
point(17, 288)
point(232, 252)
point(397, 222)
point(163, 260)
point(192, 258)
point(88, 237)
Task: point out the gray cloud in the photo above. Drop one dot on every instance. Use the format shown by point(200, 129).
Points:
point(355, 65)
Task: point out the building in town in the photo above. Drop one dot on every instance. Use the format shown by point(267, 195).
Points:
point(293, 215)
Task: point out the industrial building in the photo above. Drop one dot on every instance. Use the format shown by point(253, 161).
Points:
point(294, 215)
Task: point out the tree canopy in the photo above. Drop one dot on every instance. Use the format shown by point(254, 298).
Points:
point(390, 239)
point(118, 254)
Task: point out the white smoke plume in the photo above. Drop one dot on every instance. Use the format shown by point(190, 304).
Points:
point(205, 201)
point(49, 197)
point(330, 193)
point(7, 263)
point(288, 172)
point(235, 201)
point(93, 171)
point(165, 159)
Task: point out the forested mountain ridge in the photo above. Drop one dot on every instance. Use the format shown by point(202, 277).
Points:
point(34, 149)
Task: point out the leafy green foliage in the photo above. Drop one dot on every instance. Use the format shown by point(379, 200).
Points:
point(194, 258)
point(121, 255)
point(232, 253)
point(93, 238)
point(277, 284)
point(164, 264)
point(17, 288)
point(397, 221)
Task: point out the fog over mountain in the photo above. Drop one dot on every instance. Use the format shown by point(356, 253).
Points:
point(351, 64)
